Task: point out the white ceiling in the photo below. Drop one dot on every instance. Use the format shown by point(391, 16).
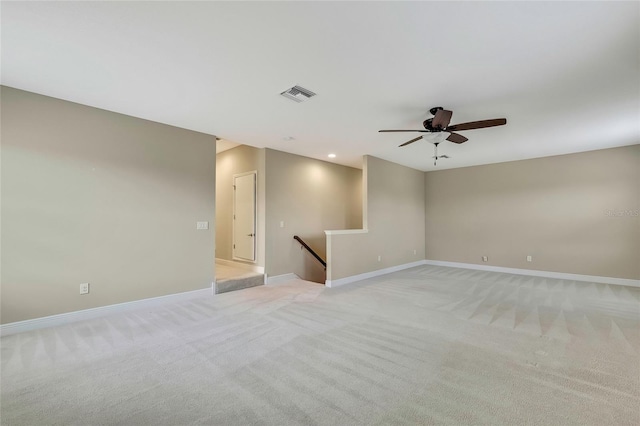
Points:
point(566, 75)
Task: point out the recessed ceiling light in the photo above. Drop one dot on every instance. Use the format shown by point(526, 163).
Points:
point(331, 156)
point(288, 138)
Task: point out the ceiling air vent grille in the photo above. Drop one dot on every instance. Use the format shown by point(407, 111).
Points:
point(298, 94)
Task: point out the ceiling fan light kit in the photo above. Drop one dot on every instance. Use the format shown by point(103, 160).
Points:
point(435, 137)
point(437, 129)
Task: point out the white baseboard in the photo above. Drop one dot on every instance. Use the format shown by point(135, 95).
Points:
point(240, 265)
point(366, 275)
point(87, 314)
point(532, 272)
point(276, 279)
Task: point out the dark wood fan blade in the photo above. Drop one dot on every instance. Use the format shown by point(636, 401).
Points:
point(456, 138)
point(402, 130)
point(412, 141)
point(478, 124)
point(442, 118)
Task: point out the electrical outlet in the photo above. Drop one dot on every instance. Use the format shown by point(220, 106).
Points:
point(84, 288)
point(415, 251)
point(202, 225)
point(485, 259)
point(529, 258)
point(379, 258)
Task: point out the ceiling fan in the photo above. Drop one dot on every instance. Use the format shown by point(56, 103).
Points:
point(440, 124)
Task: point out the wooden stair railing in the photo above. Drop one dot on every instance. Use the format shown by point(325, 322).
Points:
point(305, 245)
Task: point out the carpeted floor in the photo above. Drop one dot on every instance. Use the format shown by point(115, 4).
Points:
point(428, 345)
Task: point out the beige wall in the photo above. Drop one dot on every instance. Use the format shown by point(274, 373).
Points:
point(394, 217)
point(309, 196)
point(93, 196)
point(228, 163)
point(553, 208)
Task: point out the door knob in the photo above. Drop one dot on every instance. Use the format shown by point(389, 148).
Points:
point(250, 235)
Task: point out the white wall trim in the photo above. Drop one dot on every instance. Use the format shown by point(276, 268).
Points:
point(532, 272)
point(346, 231)
point(366, 275)
point(240, 265)
point(87, 314)
point(277, 279)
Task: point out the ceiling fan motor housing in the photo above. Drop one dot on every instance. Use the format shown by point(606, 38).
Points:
point(428, 124)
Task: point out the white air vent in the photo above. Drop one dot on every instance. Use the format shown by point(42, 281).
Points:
point(298, 94)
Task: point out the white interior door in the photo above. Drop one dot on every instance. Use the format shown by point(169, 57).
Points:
point(244, 216)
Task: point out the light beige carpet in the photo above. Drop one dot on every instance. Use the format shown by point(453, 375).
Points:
point(429, 345)
point(229, 278)
point(225, 272)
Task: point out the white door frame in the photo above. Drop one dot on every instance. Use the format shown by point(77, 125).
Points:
point(255, 217)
